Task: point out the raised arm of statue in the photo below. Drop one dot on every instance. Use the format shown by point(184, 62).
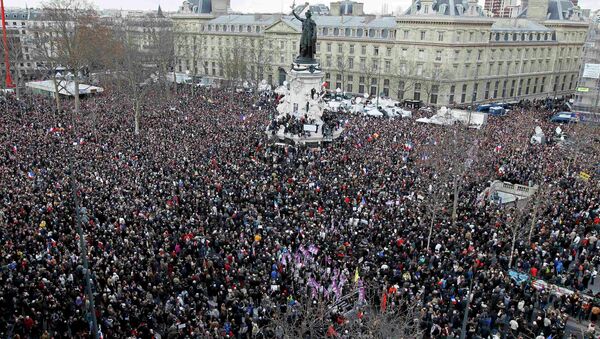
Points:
point(297, 17)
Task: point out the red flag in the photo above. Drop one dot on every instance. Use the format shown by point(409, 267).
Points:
point(383, 301)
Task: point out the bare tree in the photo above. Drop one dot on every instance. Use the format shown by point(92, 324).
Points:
point(258, 65)
point(15, 55)
point(341, 66)
point(308, 317)
point(233, 64)
point(73, 33)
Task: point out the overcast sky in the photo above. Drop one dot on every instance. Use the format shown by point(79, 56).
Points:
point(267, 6)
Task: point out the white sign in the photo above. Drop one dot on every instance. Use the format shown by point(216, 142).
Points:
point(591, 71)
point(311, 128)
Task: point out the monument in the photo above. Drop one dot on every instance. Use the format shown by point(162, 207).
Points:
point(302, 116)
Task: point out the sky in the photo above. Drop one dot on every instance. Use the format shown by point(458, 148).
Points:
point(248, 6)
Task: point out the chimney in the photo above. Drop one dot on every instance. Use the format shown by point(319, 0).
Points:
point(537, 10)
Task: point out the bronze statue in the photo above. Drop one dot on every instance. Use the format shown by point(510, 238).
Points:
point(308, 42)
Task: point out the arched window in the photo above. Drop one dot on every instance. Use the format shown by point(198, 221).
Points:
point(359, 32)
point(348, 32)
point(336, 31)
point(385, 33)
point(371, 33)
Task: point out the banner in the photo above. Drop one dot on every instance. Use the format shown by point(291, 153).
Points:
point(591, 71)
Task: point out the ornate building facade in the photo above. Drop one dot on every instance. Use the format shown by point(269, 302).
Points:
point(439, 52)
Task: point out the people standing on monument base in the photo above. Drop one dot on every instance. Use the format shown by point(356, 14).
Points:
point(199, 227)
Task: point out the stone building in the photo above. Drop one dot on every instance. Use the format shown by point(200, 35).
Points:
point(23, 61)
point(439, 52)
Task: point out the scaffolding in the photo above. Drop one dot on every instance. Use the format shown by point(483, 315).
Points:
point(588, 89)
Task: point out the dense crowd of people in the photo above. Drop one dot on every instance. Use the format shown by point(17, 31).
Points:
point(198, 227)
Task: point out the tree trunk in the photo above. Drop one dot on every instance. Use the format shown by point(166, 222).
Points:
point(76, 94)
point(174, 81)
point(56, 95)
point(17, 83)
point(137, 116)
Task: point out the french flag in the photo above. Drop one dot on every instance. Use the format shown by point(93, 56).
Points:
point(30, 174)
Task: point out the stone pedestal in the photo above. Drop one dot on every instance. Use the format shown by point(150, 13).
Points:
point(303, 101)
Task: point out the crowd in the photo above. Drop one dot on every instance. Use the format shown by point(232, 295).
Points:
point(199, 228)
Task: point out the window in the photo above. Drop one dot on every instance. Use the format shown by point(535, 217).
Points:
point(486, 94)
point(417, 92)
point(363, 64)
point(474, 96)
point(375, 50)
point(336, 31)
point(434, 94)
point(329, 47)
point(340, 48)
point(451, 97)
point(471, 34)
point(404, 53)
point(527, 87)
point(496, 84)
point(479, 54)
point(388, 66)
point(361, 80)
point(458, 36)
point(542, 84)
point(328, 61)
point(385, 34)
point(388, 52)
point(351, 49)
point(419, 69)
point(361, 88)
point(406, 34)
point(463, 95)
point(535, 85)
point(456, 54)
point(440, 36)
point(438, 55)
point(401, 85)
point(349, 88)
point(348, 32)
point(386, 87)
point(423, 34)
point(504, 84)
point(374, 86)
point(359, 34)
point(422, 54)
point(350, 78)
point(512, 88)
point(363, 49)
point(351, 63)
point(520, 89)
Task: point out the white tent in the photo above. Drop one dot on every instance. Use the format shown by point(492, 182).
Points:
point(66, 88)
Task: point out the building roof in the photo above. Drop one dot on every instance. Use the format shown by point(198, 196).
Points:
point(445, 7)
point(512, 25)
point(321, 21)
point(244, 19)
point(559, 10)
point(21, 14)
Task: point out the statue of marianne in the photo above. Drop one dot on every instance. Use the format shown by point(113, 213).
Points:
point(308, 41)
